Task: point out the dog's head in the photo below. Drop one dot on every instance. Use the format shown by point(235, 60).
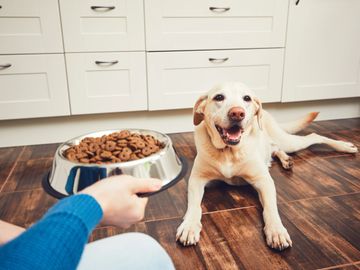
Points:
point(228, 110)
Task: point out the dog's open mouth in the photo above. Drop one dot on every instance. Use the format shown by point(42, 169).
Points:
point(231, 135)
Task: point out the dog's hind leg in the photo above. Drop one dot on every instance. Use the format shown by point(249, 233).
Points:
point(292, 143)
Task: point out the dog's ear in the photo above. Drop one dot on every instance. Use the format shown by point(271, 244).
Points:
point(258, 111)
point(198, 112)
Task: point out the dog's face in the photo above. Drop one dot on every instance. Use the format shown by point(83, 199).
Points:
point(227, 110)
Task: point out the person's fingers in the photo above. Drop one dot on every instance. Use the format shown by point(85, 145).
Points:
point(143, 185)
point(143, 202)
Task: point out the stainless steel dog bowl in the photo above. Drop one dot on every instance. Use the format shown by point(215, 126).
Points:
point(68, 178)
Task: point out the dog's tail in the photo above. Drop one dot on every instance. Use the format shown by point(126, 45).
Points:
point(298, 125)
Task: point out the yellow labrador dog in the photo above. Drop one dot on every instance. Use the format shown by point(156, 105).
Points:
point(235, 138)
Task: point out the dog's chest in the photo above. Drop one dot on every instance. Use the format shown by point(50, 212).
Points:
point(227, 169)
point(229, 166)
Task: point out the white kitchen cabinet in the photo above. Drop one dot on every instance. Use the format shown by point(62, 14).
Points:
point(177, 79)
point(106, 82)
point(33, 86)
point(94, 26)
point(31, 26)
point(203, 24)
point(322, 50)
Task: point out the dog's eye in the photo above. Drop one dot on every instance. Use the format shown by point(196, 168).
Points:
point(247, 98)
point(219, 97)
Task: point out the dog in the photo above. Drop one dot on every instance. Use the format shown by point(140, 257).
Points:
point(236, 139)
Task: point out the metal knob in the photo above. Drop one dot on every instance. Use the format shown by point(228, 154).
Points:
point(5, 66)
point(219, 9)
point(218, 60)
point(102, 8)
point(106, 63)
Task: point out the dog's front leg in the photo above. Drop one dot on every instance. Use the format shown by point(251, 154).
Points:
point(277, 236)
point(188, 233)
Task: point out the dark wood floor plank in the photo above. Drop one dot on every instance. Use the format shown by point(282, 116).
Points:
point(307, 180)
point(28, 175)
point(344, 167)
point(343, 267)
point(108, 231)
point(25, 207)
point(8, 157)
point(330, 227)
point(350, 203)
point(39, 151)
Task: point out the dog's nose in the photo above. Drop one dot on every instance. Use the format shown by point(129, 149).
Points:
point(236, 114)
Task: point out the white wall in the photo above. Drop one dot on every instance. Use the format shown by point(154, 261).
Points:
point(58, 129)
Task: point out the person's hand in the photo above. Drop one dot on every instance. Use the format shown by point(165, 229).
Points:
point(118, 200)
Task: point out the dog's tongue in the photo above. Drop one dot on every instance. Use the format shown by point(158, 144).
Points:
point(233, 133)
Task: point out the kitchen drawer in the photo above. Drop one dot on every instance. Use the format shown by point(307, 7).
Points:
point(117, 83)
point(103, 25)
point(33, 86)
point(231, 24)
point(177, 79)
point(31, 26)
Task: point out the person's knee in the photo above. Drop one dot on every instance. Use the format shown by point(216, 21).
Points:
point(128, 251)
point(151, 250)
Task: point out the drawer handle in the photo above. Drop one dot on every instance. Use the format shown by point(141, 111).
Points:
point(219, 9)
point(107, 63)
point(297, 2)
point(5, 66)
point(102, 8)
point(218, 60)
point(0, 7)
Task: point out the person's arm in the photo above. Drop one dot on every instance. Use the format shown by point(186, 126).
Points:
point(9, 231)
point(58, 239)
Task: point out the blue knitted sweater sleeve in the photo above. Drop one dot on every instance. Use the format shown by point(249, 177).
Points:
point(57, 240)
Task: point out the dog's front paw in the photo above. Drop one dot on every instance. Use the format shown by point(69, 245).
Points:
point(188, 233)
point(277, 237)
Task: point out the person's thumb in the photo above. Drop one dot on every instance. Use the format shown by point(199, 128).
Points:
point(143, 185)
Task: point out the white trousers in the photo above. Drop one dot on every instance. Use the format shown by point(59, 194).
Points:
point(125, 251)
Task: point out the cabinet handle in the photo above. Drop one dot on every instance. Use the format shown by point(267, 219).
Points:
point(219, 9)
point(297, 2)
point(107, 63)
point(0, 7)
point(5, 66)
point(218, 60)
point(102, 8)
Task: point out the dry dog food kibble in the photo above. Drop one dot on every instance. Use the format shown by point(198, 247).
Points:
point(113, 148)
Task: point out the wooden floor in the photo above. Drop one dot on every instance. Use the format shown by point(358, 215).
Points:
point(319, 203)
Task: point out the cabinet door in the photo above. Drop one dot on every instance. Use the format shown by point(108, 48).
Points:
point(31, 26)
point(177, 79)
point(116, 25)
point(203, 24)
point(106, 82)
point(33, 86)
point(322, 50)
